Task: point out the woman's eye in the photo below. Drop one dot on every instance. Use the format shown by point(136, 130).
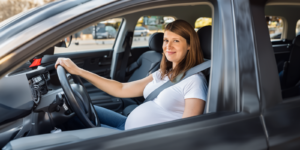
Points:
point(176, 41)
point(165, 40)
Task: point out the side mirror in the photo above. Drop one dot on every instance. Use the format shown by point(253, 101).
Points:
point(67, 41)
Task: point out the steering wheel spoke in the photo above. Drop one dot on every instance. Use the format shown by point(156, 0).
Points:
point(78, 99)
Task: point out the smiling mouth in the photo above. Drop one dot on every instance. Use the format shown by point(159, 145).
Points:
point(171, 52)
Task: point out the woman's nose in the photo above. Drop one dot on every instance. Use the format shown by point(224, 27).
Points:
point(169, 44)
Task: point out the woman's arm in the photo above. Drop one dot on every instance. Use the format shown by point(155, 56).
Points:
point(112, 87)
point(193, 107)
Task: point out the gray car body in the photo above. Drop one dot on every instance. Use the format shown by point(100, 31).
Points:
point(140, 31)
point(244, 94)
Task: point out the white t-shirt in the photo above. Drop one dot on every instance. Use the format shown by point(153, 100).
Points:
point(169, 104)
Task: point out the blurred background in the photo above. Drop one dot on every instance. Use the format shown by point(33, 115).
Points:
point(9, 8)
point(102, 35)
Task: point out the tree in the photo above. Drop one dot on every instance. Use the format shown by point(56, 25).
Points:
point(9, 8)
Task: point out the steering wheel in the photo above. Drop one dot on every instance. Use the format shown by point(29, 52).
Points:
point(78, 99)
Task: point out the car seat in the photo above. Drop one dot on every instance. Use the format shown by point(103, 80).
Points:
point(204, 35)
point(291, 70)
point(290, 75)
point(147, 62)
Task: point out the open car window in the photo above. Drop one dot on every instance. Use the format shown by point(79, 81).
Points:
point(201, 22)
point(275, 26)
point(298, 28)
point(100, 36)
point(147, 25)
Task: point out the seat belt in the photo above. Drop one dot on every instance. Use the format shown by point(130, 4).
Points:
point(127, 46)
point(190, 72)
point(154, 67)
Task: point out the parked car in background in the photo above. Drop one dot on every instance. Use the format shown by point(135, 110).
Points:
point(140, 31)
point(104, 32)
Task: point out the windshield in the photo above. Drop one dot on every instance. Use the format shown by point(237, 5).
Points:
point(13, 9)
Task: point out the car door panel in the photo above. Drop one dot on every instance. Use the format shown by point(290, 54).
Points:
point(98, 62)
point(224, 131)
point(283, 124)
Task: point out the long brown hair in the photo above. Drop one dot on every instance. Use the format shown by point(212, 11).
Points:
point(193, 57)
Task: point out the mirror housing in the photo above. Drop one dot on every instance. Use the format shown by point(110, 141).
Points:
point(67, 41)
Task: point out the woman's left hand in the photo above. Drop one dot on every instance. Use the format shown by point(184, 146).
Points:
point(69, 65)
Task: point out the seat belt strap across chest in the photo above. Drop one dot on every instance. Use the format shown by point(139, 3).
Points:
point(190, 72)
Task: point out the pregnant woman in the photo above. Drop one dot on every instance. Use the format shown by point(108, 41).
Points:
point(181, 51)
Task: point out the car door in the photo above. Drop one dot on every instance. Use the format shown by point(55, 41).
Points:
point(282, 109)
point(233, 119)
point(94, 55)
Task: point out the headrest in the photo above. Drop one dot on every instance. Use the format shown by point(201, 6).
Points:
point(156, 41)
point(296, 40)
point(204, 35)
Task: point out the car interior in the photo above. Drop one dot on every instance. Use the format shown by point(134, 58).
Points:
point(124, 65)
point(142, 60)
point(126, 61)
point(286, 46)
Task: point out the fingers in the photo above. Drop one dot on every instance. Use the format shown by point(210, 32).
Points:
point(60, 61)
point(56, 63)
point(64, 62)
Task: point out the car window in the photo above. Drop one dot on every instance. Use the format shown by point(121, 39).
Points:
point(148, 25)
point(275, 25)
point(100, 36)
point(201, 22)
point(298, 28)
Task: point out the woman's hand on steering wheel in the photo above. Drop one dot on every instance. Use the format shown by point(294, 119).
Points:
point(69, 65)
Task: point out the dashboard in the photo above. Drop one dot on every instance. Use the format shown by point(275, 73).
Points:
point(32, 102)
point(47, 97)
point(34, 92)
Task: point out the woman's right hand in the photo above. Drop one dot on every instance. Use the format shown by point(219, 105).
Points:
point(69, 65)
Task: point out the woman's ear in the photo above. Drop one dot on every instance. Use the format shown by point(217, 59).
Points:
point(189, 47)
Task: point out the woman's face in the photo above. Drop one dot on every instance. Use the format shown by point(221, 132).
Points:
point(175, 47)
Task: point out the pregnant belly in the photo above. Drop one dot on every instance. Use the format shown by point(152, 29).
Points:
point(148, 113)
